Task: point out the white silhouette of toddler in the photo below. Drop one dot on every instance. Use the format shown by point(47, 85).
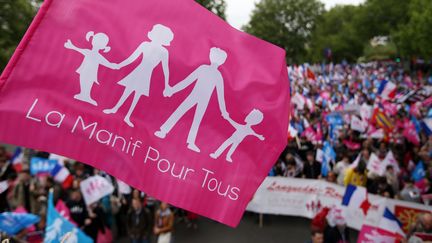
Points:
point(242, 131)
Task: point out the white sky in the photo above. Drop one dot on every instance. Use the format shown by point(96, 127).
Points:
point(238, 11)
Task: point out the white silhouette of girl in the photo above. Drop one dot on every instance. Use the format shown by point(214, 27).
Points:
point(138, 81)
point(88, 70)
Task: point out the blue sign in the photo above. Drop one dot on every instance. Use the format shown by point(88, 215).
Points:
point(42, 166)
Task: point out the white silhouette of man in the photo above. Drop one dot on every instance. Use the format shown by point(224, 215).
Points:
point(208, 78)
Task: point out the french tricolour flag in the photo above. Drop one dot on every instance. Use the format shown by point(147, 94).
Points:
point(17, 159)
point(390, 223)
point(387, 90)
point(356, 197)
point(61, 175)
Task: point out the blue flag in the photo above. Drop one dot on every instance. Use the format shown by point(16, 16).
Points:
point(419, 172)
point(41, 165)
point(12, 223)
point(59, 229)
point(328, 155)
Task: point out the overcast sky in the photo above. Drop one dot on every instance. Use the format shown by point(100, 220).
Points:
point(239, 10)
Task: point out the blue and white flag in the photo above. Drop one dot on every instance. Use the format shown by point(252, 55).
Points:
point(13, 223)
point(419, 172)
point(41, 165)
point(427, 126)
point(329, 155)
point(390, 223)
point(60, 229)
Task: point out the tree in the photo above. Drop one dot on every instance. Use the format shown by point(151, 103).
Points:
point(337, 31)
point(286, 23)
point(15, 17)
point(414, 38)
point(381, 17)
point(216, 6)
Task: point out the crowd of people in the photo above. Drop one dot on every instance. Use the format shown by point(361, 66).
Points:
point(122, 215)
point(367, 125)
point(343, 117)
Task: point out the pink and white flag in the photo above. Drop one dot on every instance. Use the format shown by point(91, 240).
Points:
point(410, 133)
point(161, 94)
point(358, 125)
point(94, 188)
point(371, 234)
point(391, 160)
point(375, 165)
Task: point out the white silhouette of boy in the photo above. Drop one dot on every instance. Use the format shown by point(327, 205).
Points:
point(242, 131)
point(89, 68)
point(208, 78)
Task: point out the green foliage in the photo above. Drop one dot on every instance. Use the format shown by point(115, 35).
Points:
point(415, 37)
point(337, 30)
point(216, 6)
point(286, 23)
point(381, 52)
point(15, 17)
point(381, 17)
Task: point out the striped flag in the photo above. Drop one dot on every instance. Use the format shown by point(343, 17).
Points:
point(387, 90)
point(381, 120)
point(17, 159)
point(61, 175)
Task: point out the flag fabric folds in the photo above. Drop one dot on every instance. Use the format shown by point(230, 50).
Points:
point(58, 229)
point(13, 223)
point(148, 94)
point(356, 197)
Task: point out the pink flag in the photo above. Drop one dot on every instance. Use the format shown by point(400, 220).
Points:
point(310, 134)
point(64, 210)
point(370, 234)
point(410, 133)
point(352, 145)
point(202, 136)
point(390, 108)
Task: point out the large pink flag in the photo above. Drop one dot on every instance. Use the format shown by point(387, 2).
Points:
point(162, 94)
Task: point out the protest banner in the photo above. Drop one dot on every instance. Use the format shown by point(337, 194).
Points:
point(305, 198)
point(80, 83)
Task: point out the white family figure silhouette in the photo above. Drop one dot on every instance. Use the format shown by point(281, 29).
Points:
point(138, 81)
point(71, 237)
point(208, 78)
point(54, 230)
point(255, 117)
point(88, 70)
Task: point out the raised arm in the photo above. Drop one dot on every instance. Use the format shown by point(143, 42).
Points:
point(221, 96)
point(133, 57)
point(165, 68)
point(260, 137)
point(186, 82)
point(108, 64)
point(71, 46)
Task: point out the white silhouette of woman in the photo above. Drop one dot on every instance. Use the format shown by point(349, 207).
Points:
point(138, 81)
point(88, 70)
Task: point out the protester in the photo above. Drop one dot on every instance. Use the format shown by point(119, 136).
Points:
point(164, 223)
point(423, 225)
point(316, 237)
point(139, 223)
